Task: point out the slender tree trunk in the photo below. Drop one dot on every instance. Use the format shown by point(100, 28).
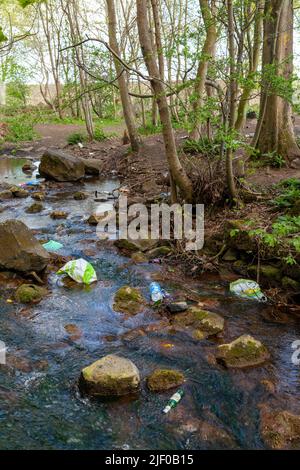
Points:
point(275, 130)
point(72, 13)
point(176, 170)
point(125, 98)
point(253, 66)
point(232, 100)
point(208, 52)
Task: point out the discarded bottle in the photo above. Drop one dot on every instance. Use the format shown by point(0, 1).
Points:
point(156, 292)
point(174, 400)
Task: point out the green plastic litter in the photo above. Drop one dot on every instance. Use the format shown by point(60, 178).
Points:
point(247, 289)
point(80, 271)
point(52, 245)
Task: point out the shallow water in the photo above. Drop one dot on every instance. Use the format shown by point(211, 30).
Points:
point(40, 407)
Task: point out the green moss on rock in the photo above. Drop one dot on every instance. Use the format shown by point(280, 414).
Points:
point(201, 323)
point(243, 352)
point(164, 379)
point(30, 293)
point(128, 300)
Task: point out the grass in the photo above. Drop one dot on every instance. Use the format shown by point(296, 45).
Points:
point(21, 124)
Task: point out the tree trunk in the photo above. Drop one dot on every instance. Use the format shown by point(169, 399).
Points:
point(253, 66)
point(176, 170)
point(125, 98)
point(232, 99)
point(275, 130)
point(208, 51)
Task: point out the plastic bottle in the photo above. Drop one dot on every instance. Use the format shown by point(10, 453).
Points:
point(174, 400)
point(156, 292)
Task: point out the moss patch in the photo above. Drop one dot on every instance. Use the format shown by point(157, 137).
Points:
point(243, 352)
point(201, 323)
point(280, 430)
point(128, 300)
point(29, 293)
point(164, 379)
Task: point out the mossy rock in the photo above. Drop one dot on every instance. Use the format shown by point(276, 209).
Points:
point(280, 429)
point(30, 293)
point(139, 257)
point(19, 192)
point(230, 255)
point(289, 283)
point(164, 379)
point(110, 376)
point(38, 196)
point(58, 215)
point(201, 323)
point(159, 252)
point(6, 194)
point(34, 208)
point(243, 352)
point(80, 196)
point(135, 245)
point(267, 272)
point(128, 300)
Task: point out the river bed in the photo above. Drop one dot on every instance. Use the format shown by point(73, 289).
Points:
point(40, 406)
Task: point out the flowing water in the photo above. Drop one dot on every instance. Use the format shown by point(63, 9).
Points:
point(40, 406)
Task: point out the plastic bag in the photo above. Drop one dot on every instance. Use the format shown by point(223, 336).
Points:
point(52, 245)
point(80, 271)
point(247, 289)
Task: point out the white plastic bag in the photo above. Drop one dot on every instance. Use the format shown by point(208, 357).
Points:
point(80, 271)
point(247, 289)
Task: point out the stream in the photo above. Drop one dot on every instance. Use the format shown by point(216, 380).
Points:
point(40, 406)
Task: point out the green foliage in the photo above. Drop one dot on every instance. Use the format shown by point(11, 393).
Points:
point(76, 138)
point(271, 159)
point(204, 146)
point(290, 194)
point(99, 134)
point(150, 129)
point(3, 38)
point(20, 129)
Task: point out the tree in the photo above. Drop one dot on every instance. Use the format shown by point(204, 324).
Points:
point(274, 132)
point(121, 74)
point(177, 172)
point(208, 10)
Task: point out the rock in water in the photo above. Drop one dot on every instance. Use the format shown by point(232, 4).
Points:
point(22, 251)
point(60, 166)
point(280, 429)
point(29, 293)
point(110, 376)
point(164, 379)
point(243, 352)
point(128, 300)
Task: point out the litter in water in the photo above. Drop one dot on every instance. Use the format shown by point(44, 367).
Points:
point(174, 400)
point(247, 289)
point(80, 271)
point(156, 292)
point(52, 245)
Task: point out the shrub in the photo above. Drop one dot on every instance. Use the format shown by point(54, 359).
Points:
point(76, 138)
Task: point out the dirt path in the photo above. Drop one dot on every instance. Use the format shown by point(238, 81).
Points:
point(57, 134)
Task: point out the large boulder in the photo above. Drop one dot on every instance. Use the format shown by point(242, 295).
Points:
point(60, 166)
point(110, 376)
point(245, 351)
point(92, 167)
point(20, 250)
